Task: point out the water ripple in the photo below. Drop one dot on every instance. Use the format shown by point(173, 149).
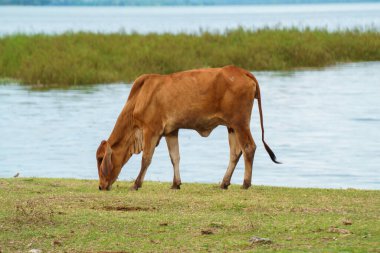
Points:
point(312, 128)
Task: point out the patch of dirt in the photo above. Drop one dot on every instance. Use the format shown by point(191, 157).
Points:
point(111, 251)
point(56, 243)
point(33, 212)
point(339, 230)
point(127, 208)
point(3, 183)
point(207, 231)
point(347, 222)
point(54, 184)
point(259, 240)
point(313, 210)
point(212, 228)
point(327, 239)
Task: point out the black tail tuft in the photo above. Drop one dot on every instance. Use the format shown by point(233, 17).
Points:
point(271, 154)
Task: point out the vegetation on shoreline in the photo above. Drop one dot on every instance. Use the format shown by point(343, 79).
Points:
point(65, 215)
point(88, 58)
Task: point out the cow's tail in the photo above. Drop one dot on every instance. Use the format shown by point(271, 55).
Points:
point(258, 97)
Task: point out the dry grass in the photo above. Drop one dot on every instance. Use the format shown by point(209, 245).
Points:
point(73, 216)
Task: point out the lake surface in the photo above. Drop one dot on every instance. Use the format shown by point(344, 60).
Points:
point(19, 19)
point(322, 124)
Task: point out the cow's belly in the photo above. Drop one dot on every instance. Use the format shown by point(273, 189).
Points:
point(203, 125)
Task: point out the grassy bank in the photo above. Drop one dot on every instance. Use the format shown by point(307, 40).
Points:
point(72, 215)
point(86, 58)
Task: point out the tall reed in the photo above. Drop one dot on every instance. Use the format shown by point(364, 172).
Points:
point(90, 58)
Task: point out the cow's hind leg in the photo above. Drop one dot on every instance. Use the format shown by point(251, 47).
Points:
point(248, 147)
point(235, 153)
point(150, 140)
point(173, 147)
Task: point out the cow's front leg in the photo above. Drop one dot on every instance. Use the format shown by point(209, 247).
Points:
point(150, 140)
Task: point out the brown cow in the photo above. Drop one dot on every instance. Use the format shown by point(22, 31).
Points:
point(160, 105)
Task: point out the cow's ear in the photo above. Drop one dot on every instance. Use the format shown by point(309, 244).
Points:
point(107, 161)
point(100, 152)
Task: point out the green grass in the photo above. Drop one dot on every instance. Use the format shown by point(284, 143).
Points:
point(73, 216)
point(88, 58)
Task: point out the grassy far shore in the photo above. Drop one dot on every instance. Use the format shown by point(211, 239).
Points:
point(88, 58)
point(73, 216)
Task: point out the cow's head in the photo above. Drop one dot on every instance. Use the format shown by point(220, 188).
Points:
point(106, 169)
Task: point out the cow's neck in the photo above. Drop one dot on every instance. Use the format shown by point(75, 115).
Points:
point(121, 138)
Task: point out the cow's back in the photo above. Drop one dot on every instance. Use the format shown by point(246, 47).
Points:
point(196, 99)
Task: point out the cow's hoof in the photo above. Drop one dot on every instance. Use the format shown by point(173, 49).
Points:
point(245, 186)
point(134, 188)
point(175, 187)
point(224, 186)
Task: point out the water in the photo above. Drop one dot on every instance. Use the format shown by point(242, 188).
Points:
point(186, 19)
point(322, 124)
